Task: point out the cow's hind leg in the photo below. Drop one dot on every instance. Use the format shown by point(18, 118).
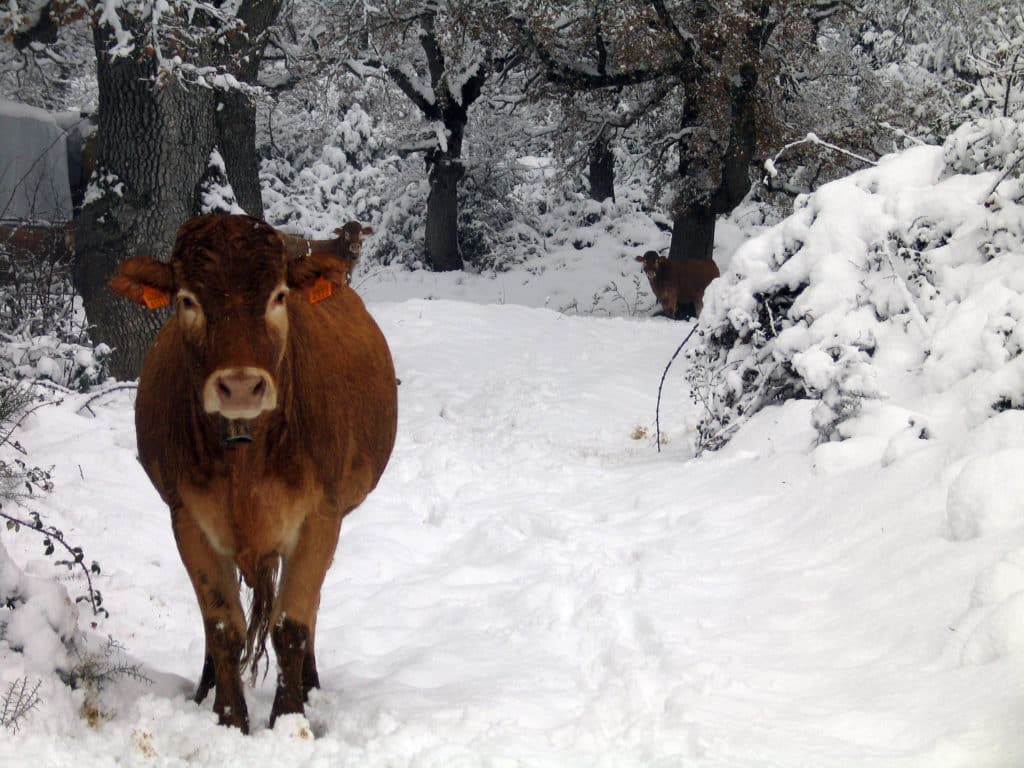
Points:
point(215, 582)
point(295, 612)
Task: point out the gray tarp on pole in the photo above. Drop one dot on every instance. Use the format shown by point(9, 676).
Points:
point(33, 166)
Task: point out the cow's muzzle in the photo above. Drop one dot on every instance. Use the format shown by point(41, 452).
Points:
point(239, 393)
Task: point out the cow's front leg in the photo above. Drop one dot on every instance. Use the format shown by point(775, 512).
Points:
point(215, 582)
point(294, 623)
point(206, 679)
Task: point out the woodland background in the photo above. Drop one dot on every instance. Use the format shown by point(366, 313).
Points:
point(461, 130)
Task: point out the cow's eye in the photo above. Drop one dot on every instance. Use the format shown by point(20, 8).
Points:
point(187, 302)
point(279, 297)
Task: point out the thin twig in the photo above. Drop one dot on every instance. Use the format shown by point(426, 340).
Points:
point(51, 534)
point(104, 393)
point(657, 408)
point(908, 297)
point(811, 138)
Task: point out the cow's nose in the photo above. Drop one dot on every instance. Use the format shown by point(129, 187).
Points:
point(240, 387)
point(240, 393)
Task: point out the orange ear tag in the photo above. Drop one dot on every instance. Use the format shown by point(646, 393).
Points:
point(154, 298)
point(322, 289)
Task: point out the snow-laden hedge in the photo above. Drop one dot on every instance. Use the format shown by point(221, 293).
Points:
point(349, 178)
point(43, 622)
point(43, 331)
point(909, 274)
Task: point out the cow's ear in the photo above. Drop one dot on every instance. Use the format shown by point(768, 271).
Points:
point(145, 281)
point(639, 258)
point(317, 275)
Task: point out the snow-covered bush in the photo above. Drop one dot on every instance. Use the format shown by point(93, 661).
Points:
point(985, 144)
point(497, 228)
point(994, 61)
point(401, 233)
point(40, 621)
point(498, 215)
point(311, 191)
point(43, 333)
point(39, 630)
point(908, 274)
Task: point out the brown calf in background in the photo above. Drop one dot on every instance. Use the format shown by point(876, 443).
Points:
point(678, 284)
point(346, 246)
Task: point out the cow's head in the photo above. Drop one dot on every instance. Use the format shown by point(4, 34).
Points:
point(650, 260)
point(229, 283)
point(352, 235)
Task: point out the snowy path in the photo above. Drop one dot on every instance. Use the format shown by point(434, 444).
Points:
point(529, 586)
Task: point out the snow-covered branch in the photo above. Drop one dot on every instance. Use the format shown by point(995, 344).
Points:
point(771, 164)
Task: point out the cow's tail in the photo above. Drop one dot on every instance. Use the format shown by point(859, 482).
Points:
point(263, 582)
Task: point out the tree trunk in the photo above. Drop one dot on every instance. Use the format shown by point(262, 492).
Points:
point(735, 182)
point(693, 229)
point(693, 234)
point(236, 140)
point(602, 169)
point(236, 111)
point(442, 252)
point(153, 147)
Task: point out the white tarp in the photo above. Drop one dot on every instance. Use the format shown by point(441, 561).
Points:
point(33, 165)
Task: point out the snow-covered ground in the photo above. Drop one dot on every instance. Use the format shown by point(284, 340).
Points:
point(533, 584)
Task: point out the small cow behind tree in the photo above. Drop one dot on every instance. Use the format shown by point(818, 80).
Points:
point(678, 284)
point(266, 412)
point(347, 246)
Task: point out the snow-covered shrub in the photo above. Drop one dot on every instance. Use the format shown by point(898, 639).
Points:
point(348, 177)
point(39, 631)
point(400, 237)
point(985, 144)
point(43, 333)
point(40, 620)
point(994, 64)
point(69, 360)
point(792, 318)
point(20, 698)
point(908, 274)
point(497, 228)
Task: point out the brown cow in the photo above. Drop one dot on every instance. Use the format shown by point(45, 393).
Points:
point(678, 283)
point(346, 246)
point(266, 412)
